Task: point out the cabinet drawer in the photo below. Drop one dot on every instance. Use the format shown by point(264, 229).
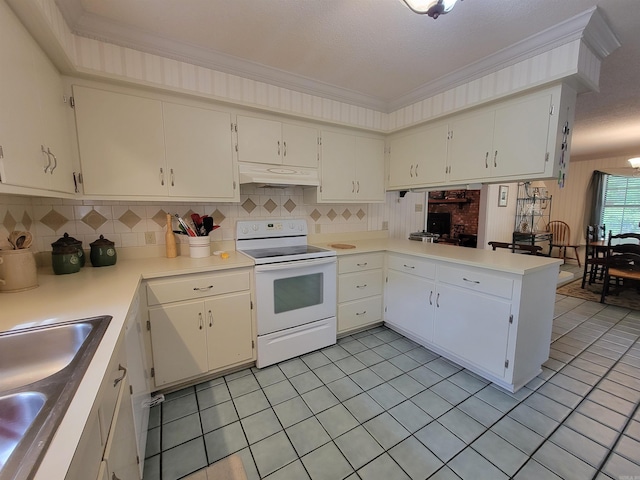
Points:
point(359, 313)
point(477, 280)
point(357, 263)
point(190, 287)
point(109, 391)
point(352, 286)
point(412, 265)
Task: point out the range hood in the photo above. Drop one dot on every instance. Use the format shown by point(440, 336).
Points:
point(277, 176)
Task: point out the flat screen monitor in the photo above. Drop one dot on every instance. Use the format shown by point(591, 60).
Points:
point(439, 223)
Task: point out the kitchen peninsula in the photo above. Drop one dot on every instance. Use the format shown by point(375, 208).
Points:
point(488, 311)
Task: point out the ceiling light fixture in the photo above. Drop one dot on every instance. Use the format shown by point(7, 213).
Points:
point(635, 162)
point(433, 8)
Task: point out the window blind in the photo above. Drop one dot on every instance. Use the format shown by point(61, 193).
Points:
point(621, 206)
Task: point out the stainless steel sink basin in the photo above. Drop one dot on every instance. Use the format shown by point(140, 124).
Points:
point(40, 370)
point(18, 412)
point(56, 347)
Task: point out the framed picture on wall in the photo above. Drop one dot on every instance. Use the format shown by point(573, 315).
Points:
point(503, 195)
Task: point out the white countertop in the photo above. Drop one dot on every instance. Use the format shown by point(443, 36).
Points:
point(499, 260)
point(110, 291)
point(88, 293)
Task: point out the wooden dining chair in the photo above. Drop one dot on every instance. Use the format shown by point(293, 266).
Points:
point(561, 238)
point(622, 265)
point(594, 256)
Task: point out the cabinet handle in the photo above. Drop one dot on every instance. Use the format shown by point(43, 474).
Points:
point(284, 153)
point(358, 189)
point(486, 160)
point(495, 155)
point(361, 313)
point(172, 178)
point(202, 289)
point(411, 171)
point(278, 147)
point(438, 300)
point(408, 266)
point(124, 373)
point(417, 170)
point(361, 286)
point(161, 176)
point(114, 477)
point(362, 264)
point(55, 161)
point(353, 186)
point(471, 281)
point(431, 297)
point(48, 158)
point(200, 320)
point(210, 318)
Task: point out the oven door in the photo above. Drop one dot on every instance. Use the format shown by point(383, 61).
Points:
point(293, 293)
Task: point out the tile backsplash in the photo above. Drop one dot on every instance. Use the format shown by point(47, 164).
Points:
point(136, 224)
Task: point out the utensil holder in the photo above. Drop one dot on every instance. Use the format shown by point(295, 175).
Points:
point(199, 247)
point(17, 270)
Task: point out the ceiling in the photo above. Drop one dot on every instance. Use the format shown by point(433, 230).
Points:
point(375, 53)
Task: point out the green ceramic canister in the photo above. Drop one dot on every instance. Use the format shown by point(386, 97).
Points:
point(64, 259)
point(103, 252)
point(66, 240)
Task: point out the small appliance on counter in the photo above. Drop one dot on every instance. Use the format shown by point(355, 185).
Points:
point(103, 252)
point(424, 237)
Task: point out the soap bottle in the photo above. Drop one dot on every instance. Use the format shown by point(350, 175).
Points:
point(172, 248)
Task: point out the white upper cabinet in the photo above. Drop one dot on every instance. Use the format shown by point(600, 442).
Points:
point(34, 139)
point(199, 152)
point(134, 146)
point(525, 138)
point(121, 143)
point(276, 143)
point(419, 157)
point(352, 169)
point(509, 141)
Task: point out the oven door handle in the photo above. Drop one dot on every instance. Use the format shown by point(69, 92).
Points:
point(294, 264)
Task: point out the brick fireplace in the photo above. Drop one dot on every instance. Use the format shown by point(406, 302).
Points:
point(464, 208)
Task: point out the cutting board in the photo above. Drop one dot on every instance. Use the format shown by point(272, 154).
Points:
point(342, 245)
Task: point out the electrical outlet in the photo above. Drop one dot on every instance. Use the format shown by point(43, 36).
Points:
point(418, 207)
point(385, 225)
point(318, 228)
point(149, 238)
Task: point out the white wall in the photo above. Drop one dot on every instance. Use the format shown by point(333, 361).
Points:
point(495, 224)
point(401, 213)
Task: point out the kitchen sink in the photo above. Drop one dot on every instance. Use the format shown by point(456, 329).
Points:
point(55, 348)
point(17, 414)
point(40, 370)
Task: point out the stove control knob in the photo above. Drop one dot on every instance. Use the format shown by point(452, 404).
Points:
point(245, 230)
point(301, 227)
point(291, 225)
point(255, 227)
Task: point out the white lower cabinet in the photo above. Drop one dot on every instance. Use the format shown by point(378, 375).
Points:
point(108, 442)
point(410, 295)
point(359, 291)
point(199, 324)
point(477, 317)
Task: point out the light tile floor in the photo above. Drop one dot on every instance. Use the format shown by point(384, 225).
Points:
point(378, 406)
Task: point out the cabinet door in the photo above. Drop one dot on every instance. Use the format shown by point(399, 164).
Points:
point(520, 137)
point(229, 329)
point(473, 326)
point(23, 163)
point(259, 140)
point(300, 146)
point(370, 169)
point(121, 143)
point(404, 155)
point(409, 304)
point(338, 180)
point(199, 152)
point(470, 147)
point(178, 341)
point(120, 452)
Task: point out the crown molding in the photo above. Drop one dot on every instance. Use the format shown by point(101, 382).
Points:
point(590, 26)
point(94, 27)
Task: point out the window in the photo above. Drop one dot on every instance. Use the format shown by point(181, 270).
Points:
point(621, 206)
